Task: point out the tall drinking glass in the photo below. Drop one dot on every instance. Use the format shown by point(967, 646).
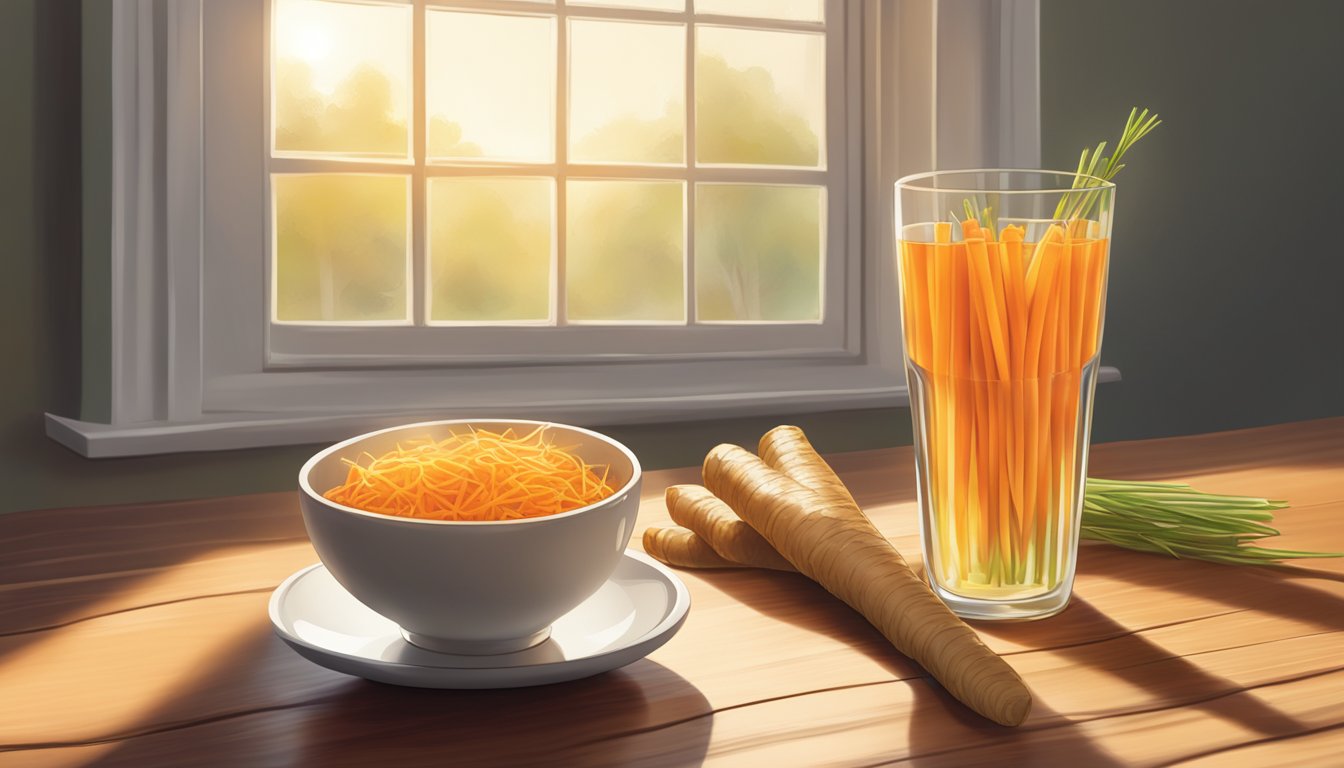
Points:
point(1003, 293)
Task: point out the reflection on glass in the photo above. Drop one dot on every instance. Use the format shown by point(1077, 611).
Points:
point(490, 86)
point(793, 10)
point(341, 245)
point(341, 77)
point(758, 252)
point(627, 92)
point(490, 249)
point(626, 251)
point(652, 5)
point(760, 97)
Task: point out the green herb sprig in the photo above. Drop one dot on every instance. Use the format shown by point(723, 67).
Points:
point(1177, 520)
point(1094, 164)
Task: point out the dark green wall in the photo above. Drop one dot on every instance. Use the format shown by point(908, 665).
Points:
point(1225, 310)
point(1226, 300)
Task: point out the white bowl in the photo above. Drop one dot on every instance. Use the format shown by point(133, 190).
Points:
point(471, 587)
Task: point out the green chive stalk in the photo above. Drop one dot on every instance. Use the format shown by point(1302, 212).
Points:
point(1175, 519)
point(1094, 165)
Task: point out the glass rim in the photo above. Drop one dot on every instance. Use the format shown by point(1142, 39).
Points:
point(908, 182)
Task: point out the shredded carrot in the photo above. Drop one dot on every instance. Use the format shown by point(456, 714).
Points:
point(477, 475)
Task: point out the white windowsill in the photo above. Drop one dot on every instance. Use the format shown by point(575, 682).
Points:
point(252, 430)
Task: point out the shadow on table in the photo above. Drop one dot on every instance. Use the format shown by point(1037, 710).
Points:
point(1172, 681)
point(602, 721)
point(1283, 593)
point(271, 707)
point(943, 732)
point(66, 566)
point(797, 600)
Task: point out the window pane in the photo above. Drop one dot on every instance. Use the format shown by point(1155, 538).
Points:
point(626, 251)
point(627, 92)
point(654, 5)
point(793, 10)
point(760, 97)
point(341, 245)
point(341, 77)
point(490, 86)
point(490, 249)
point(758, 252)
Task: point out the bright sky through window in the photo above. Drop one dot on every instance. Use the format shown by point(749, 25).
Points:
point(494, 76)
point(334, 39)
point(627, 78)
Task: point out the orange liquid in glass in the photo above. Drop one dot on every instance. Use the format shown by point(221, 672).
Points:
point(1001, 339)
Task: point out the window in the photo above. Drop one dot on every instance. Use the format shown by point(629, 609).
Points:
point(536, 181)
point(334, 214)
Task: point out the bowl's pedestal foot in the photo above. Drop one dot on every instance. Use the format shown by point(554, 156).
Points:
point(476, 647)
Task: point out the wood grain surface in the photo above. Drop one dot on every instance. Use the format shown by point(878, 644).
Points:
point(138, 636)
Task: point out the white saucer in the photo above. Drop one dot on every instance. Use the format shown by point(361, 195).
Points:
point(639, 608)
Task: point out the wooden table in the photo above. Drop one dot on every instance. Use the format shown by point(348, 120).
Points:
point(137, 635)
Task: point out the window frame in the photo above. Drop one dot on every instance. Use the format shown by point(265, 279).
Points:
point(172, 385)
point(422, 342)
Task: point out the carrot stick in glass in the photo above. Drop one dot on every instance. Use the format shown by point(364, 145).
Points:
point(1009, 497)
point(941, 309)
point(1078, 300)
point(987, 295)
point(964, 413)
point(1048, 499)
point(1092, 304)
point(1015, 288)
point(1001, 429)
point(1039, 283)
point(977, 448)
point(914, 266)
point(939, 304)
point(1052, 237)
